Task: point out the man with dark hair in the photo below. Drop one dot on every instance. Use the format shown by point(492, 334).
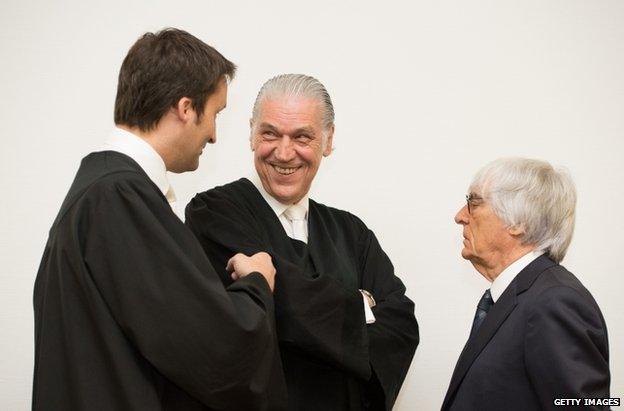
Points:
point(129, 312)
point(172, 64)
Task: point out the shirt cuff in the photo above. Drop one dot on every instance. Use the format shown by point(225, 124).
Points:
point(370, 317)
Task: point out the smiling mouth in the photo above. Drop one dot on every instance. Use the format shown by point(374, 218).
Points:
point(285, 171)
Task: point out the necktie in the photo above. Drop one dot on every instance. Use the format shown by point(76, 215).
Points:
point(172, 200)
point(296, 215)
point(485, 304)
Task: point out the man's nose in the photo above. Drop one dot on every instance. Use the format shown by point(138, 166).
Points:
point(285, 150)
point(462, 215)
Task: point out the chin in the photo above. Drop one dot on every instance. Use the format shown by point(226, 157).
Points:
point(192, 165)
point(281, 193)
point(466, 254)
point(195, 164)
point(284, 199)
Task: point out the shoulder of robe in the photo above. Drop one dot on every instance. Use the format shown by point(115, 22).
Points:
point(100, 175)
point(345, 218)
point(122, 181)
point(118, 190)
point(231, 194)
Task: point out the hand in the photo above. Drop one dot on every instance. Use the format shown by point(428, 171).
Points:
point(240, 265)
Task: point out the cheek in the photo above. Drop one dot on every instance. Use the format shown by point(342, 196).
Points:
point(262, 151)
point(309, 155)
point(473, 233)
point(485, 236)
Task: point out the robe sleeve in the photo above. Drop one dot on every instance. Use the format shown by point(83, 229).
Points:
point(216, 344)
point(394, 335)
point(322, 317)
point(566, 348)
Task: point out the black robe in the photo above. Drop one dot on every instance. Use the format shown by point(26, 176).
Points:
point(332, 359)
point(130, 314)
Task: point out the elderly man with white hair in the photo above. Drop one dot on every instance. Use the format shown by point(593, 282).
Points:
point(538, 335)
point(346, 330)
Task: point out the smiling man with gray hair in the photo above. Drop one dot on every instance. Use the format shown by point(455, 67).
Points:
point(538, 334)
point(346, 330)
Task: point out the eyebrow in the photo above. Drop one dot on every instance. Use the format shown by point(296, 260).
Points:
point(267, 126)
point(475, 196)
point(306, 130)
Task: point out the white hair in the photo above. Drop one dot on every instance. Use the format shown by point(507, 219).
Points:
point(299, 85)
point(533, 195)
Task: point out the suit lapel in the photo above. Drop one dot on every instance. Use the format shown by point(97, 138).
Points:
point(497, 315)
point(495, 318)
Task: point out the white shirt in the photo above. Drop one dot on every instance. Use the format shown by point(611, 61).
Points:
point(147, 158)
point(279, 209)
point(505, 278)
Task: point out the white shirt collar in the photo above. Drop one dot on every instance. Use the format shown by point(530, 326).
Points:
point(143, 153)
point(505, 278)
point(275, 205)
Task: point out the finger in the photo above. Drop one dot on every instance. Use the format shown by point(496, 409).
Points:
point(230, 263)
point(234, 276)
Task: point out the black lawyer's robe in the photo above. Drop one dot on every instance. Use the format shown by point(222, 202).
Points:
point(544, 338)
point(332, 359)
point(130, 314)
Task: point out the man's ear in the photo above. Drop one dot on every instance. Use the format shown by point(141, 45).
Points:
point(184, 109)
point(251, 142)
point(329, 142)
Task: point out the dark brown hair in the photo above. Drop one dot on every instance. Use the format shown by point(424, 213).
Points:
point(159, 70)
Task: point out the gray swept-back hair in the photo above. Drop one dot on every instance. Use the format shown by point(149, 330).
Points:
point(297, 85)
point(534, 195)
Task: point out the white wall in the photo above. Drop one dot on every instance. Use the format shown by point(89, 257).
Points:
point(425, 92)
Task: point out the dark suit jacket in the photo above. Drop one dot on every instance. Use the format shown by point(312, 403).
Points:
point(545, 338)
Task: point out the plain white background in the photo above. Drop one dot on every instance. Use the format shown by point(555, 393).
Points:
point(425, 92)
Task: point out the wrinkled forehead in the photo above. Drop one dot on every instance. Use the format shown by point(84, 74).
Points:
point(290, 104)
point(288, 111)
point(477, 191)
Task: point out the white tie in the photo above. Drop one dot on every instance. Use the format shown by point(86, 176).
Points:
point(172, 200)
point(296, 214)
